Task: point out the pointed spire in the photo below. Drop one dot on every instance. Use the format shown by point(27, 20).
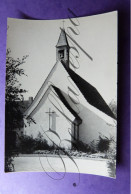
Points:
point(62, 39)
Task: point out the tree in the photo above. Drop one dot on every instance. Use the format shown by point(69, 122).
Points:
point(14, 92)
point(13, 95)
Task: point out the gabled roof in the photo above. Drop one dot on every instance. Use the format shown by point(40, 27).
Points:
point(62, 41)
point(40, 92)
point(90, 93)
point(67, 105)
point(59, 92)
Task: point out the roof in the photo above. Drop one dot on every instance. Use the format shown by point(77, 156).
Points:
point(62, 41)
point(59, 92)
point(90, 93)
point(40, 92)
point(65, 102)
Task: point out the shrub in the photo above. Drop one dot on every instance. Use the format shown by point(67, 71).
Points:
point(29, 145)
point(83, 147)
point(103, 144)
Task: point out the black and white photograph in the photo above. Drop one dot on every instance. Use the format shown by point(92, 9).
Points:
point(61, 95)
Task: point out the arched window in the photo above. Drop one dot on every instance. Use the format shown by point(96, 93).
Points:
point(61, 54)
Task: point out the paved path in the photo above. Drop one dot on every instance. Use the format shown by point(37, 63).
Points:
point(38, 164)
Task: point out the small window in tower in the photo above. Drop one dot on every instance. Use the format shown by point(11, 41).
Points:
point(61, 54)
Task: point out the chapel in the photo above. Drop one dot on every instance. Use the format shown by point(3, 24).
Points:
point(58, 112)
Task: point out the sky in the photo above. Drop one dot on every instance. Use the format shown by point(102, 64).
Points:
point(97, 35)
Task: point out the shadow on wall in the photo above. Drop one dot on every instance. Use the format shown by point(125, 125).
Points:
point(92, 126)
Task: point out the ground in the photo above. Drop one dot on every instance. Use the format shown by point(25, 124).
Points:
point(41, 163)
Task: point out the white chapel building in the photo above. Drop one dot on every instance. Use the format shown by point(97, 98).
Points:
point(70, 108)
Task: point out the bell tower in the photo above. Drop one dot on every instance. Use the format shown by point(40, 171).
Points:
point(62, 48)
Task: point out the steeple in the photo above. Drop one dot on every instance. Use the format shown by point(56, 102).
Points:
point(62, 48)
point(62, 41)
